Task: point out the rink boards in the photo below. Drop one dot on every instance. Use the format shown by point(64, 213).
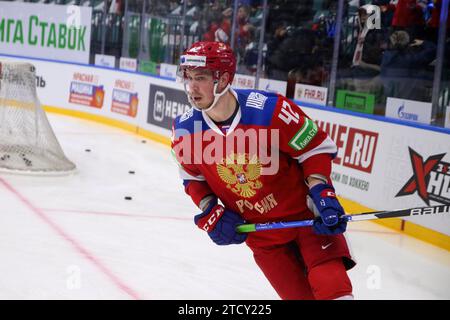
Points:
point(381, 163)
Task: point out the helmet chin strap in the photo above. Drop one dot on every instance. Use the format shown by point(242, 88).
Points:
point(216, 97)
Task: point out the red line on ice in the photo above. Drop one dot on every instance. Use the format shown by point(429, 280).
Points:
point(119, 214)
point(85, 253)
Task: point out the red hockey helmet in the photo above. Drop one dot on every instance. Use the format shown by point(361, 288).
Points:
point(215, 56)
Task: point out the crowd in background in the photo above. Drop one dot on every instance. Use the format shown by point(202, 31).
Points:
point(392, 59)
point(395, 58)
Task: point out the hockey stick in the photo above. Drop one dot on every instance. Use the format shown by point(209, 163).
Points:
point(252, 227)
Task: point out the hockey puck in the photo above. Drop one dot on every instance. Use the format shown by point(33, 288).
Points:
point(88, 150)
point(144, 141)
point(128, 198)
point(131, 172)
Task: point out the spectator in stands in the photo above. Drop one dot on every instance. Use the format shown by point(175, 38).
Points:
point(405, 67)
point(223, 33)
point(116, 7)
point(312, 72)
point(409, 16)
point(433, 22)
point(219, 28)
point(369, 47)
point(290, 48)
point(387, 12)
point(244, 32)
point(274, 63)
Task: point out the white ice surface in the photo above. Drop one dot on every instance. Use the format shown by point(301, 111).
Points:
point(76, 237)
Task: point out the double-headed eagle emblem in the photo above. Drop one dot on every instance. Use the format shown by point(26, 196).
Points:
point(241, 173)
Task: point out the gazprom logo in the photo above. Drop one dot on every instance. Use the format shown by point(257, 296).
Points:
point(405, 115)
point(183, 59)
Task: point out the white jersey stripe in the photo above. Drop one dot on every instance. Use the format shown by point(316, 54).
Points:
point(186, 176)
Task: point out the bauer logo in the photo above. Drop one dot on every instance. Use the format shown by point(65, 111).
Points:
point(430, 179)
point(165, 104)
point(356, 147)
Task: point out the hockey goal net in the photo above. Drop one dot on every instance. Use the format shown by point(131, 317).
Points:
point(27, 141)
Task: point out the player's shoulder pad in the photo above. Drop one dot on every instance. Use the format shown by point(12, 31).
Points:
point(257, 106)
point(188, 123)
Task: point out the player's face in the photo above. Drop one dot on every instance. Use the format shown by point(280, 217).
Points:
point(200, 87)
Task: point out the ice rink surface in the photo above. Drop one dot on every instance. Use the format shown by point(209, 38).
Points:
point(76, 237)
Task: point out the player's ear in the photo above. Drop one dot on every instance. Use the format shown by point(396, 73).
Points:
point(224, 79)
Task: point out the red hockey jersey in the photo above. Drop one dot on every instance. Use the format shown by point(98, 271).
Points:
point(258, 167)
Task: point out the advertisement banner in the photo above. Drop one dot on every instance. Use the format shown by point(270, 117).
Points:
point(128, 64)
point(447, 117)
point(86, 89)
point(380, 164)
point(311, 94)
point(105, 92)
point(148, 67)
point(104, 60)
point(388, 166)
point(168, 70)
point(45, 31)
point(408, 110)
point(355, 101)
point(242, 81)
point(275, 86)
point(125, 98)
point(165, 104)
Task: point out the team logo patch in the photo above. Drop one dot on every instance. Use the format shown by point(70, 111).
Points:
point(431, 179)
point(304, 136)
point(240, 173)
point(256, 100)
point(328, 194)
point(193, 61)
point(187, 115)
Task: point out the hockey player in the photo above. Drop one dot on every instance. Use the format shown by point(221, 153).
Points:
point(261, 157)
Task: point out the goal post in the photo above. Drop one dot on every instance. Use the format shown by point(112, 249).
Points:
point(27, 141)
